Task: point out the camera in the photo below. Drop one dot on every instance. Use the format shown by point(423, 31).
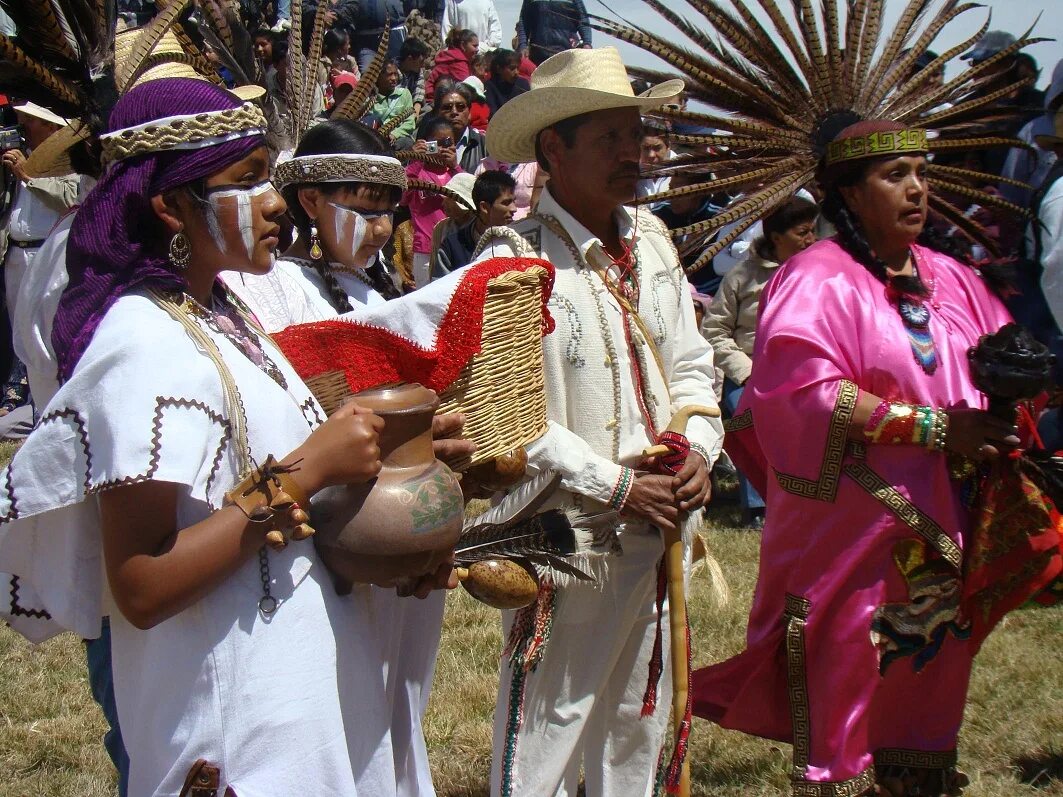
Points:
point(432, 147)
point(11, 138)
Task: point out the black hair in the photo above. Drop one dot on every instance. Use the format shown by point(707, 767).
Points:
point(429, 124)
point(412, 48)
point(500, 59)
point(263, 33)
point(339, 137)
point(458, 87)
point(853, 239)
point(655, 128)
point(443, 86)
point(334, 37)
point(490, 185)
point(459, 38)
point(796, 210)
point(566, 129)
point(280, 52)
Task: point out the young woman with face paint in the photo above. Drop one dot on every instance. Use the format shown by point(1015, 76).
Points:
point(143, 469)
point(344, 218)
point(341, 188)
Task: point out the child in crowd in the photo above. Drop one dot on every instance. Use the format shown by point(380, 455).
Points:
point(493, 196)
point(426, 209)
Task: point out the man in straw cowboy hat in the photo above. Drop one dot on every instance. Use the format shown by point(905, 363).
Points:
point(625, 355)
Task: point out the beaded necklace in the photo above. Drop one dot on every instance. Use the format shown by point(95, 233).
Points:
point(624, 287)
point(915, 314)
point(225, 320)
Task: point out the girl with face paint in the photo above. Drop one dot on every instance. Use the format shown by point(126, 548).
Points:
point(343, 211)
point(175, 397)
point(342, 187)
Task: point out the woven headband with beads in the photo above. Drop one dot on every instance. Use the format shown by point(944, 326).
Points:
point(190, 131)
point(911, 141)
point(341, 169)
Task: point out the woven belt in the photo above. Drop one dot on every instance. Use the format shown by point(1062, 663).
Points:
point(26, 244)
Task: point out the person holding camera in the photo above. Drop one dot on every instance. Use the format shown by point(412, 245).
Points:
point(36, 203)
point(434, 137)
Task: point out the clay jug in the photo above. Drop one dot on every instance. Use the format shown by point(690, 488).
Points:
point(407, 520)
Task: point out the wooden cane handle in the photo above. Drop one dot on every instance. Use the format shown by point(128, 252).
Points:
point(679, 424)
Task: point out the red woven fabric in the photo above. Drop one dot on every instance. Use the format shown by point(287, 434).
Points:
point(372, 356)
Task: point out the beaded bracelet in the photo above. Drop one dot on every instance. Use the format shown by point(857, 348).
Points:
point(269, 494)
point(894, 423)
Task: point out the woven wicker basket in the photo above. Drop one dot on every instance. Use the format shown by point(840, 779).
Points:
point(501, 389)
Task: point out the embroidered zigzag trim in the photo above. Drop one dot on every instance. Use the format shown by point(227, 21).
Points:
point(311, 405)
point(161, 404)
point(19, 611)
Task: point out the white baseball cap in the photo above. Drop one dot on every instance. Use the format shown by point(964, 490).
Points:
point(33, 109)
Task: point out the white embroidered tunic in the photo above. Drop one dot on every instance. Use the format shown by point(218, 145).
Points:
point(279, 703)
point(597, 430)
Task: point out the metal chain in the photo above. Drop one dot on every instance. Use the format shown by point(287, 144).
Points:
point(267, 604)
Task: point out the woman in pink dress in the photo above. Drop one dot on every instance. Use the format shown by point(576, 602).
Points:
point(858, 652)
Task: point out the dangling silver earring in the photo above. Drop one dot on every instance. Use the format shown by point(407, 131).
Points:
point(180, 251)
point(315, 244)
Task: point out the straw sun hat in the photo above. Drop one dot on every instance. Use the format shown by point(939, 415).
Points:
point(571, 83)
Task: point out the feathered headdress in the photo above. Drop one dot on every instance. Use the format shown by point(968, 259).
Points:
point(62, 56)
point(69, 57)
point(778, 89)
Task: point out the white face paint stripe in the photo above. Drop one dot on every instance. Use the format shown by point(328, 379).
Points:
point(245, 223)
point(350, 225)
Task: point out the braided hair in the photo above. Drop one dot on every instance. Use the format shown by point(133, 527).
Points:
point(341, 137)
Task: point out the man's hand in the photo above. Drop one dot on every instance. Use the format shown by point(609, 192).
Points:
point(652, 499)
point(15, 161)
point(444, 577)
point(692, 485)
point(445, 444)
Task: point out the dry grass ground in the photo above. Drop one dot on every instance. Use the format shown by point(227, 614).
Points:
point(1012, 743)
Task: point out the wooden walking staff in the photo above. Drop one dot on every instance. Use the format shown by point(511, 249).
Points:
point(672, 442)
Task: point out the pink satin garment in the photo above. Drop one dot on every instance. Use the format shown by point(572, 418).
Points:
point(826, 321)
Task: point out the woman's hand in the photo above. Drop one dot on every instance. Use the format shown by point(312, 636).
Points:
point(345, 449)
point(420, 146)
point(978, 435)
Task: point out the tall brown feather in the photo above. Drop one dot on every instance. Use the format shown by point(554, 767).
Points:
point(62, 89)
point(358, 101)
point(932, 98)
point(955, 173)
point(916, 87)
point(981, 197)
point(145, 44)
point(747, 178)
point(786, 33)
point(317, 43)
point(295, 90)
point(901, 34)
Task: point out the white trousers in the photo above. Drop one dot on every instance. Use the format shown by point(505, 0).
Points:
point(583, 703)
point(408, 631)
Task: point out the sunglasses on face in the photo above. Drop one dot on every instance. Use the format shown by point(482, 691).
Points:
point(454, 106)
point(445, 142)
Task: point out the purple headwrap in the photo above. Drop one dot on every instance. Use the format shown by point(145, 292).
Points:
point(114, 244)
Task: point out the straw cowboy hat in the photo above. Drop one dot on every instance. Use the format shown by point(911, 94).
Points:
point(1056, 137)
point(568, 84)
point(52, 157)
